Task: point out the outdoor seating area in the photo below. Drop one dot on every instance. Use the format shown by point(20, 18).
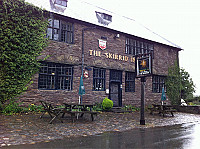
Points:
point(75, 110)
point(162, 109)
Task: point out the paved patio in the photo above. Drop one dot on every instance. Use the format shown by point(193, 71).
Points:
point(29, 128)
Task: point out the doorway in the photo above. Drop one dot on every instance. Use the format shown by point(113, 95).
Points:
point(115, 87)
point(114, 93)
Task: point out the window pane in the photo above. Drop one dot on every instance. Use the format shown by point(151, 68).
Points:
point(55, 76)
point(61, 82)
point(65, 78)
point(60, 30)
point(44, 68)
point(64, 26)
point(71, 38)
point(51, 82)
point(64, 3)
point(50, 22)
point(130, 82)
point(63, 35)
point(150, 47)
point(126, 50)
point(49, 33)
point(52, 69)
point(66, 33)
point(136, 47)
point(158, 83)
point(154, 88)
point(42, 82)
point(58, 2)
point(95, 72)
point(68, 37)
point(56, 24)
point(69, 26)
point(61, 2)
point(99, 79)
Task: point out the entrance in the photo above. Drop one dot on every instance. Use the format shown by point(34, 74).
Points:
point(114, 93)
point(115, 87)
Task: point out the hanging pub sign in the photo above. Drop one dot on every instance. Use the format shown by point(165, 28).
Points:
point(144, 66)
point(102, 44)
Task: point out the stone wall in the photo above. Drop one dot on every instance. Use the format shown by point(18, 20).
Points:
point(189, 109)
point(113, 57)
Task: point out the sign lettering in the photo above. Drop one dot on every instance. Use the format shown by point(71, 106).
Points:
point(112, 56)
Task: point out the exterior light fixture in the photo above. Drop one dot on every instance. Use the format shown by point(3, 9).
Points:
point(116, 36)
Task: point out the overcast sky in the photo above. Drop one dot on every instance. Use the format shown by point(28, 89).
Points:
point(176, 20)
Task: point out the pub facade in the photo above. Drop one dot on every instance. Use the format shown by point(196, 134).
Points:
point(101, 47)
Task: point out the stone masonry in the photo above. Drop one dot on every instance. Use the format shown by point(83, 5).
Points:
point(113, 57)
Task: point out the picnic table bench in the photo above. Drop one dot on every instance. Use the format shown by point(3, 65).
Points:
point(51, 110)
point(75, 110)
point(162, 109)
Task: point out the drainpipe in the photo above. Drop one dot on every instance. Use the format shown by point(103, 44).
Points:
point(82, 66)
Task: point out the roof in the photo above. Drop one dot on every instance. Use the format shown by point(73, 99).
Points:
point(84, 11)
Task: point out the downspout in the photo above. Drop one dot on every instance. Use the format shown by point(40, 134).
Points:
point(82, 65)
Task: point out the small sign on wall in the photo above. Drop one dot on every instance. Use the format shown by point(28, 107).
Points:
point(102, 44)
point(107, 91)
point(86, 74)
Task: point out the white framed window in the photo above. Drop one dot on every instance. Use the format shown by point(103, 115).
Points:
point(61, 2)
point(60, 30)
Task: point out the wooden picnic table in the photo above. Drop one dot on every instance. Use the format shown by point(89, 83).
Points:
point(162, 109)
point(75, 106)
point(51, 110)
point(76, 109)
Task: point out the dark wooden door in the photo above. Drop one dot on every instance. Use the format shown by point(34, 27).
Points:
point(114, 93)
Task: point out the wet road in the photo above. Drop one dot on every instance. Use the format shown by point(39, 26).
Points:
point(185, 136)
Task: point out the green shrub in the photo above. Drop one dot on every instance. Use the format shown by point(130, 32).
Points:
point(98, 107)
point(107, 104)
point(131, 108)
point(12, 108)
point(35, 108)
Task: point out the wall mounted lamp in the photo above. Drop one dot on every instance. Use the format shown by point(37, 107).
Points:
point(116, 36)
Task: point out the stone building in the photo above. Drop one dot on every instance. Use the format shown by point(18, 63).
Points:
point(101, 45)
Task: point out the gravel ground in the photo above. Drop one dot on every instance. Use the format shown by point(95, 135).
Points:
point(30, 129)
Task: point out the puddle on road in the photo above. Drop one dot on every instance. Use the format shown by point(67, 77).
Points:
point(178, 136)
point(194, 137)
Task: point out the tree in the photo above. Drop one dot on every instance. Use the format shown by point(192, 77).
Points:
point(22, 35)
point(173, 84)
point(187, 85)
point(178, 84)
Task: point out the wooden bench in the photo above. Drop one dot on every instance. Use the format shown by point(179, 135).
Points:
point(75, 113)
point(56, 112)
point(162, 109)
point(52, 111)
point(168, 111)
point(76, 109)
